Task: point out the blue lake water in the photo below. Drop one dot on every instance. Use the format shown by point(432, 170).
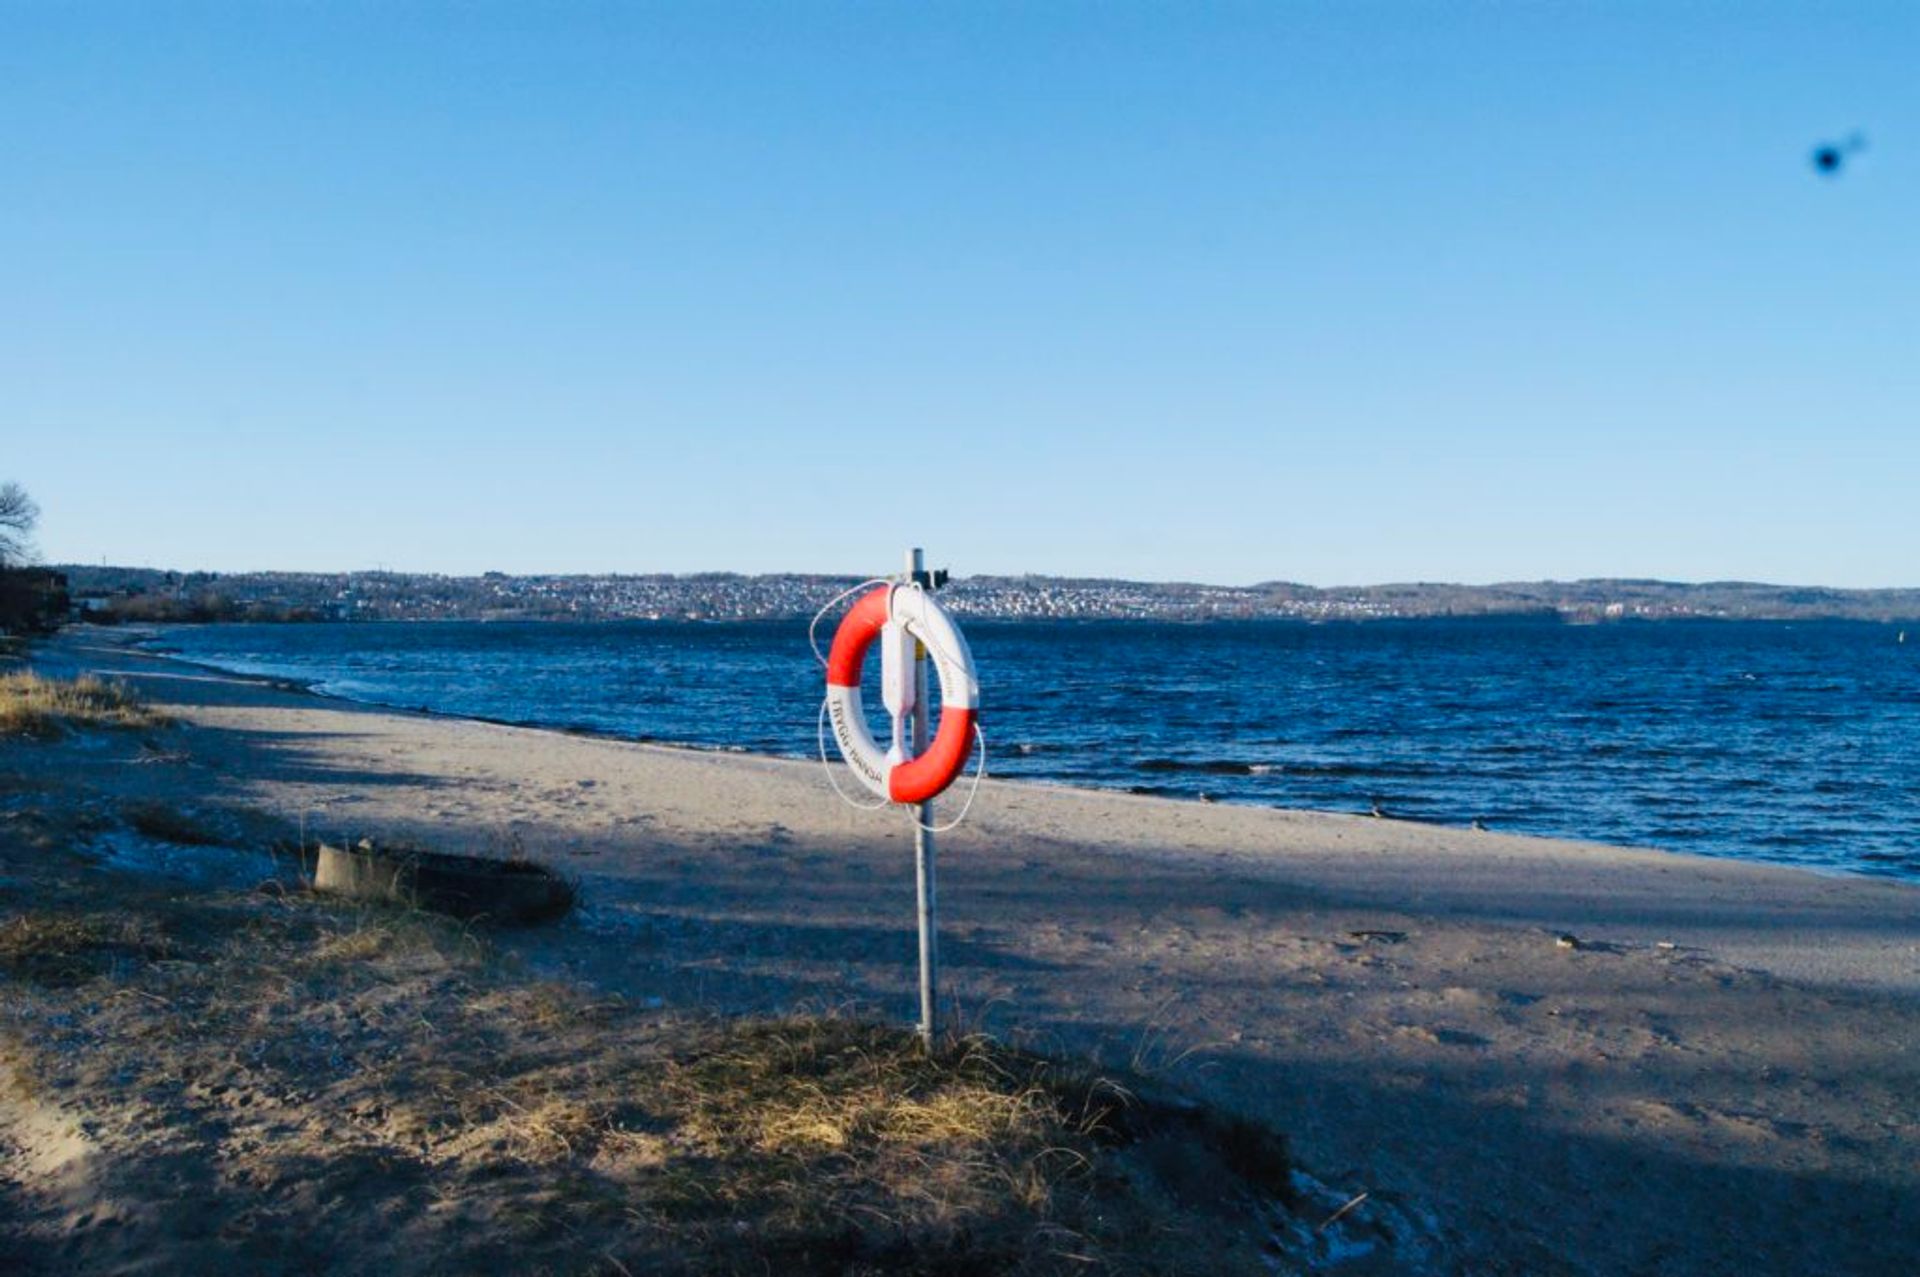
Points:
point(1796, 743)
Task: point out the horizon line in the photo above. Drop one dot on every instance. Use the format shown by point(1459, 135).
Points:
point(1270, 583)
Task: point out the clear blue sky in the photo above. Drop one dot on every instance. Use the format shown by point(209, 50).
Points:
point(1337, 292)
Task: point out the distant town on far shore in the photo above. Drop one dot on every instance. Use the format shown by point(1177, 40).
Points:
point(116, 594)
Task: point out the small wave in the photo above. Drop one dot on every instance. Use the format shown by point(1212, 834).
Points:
point(1644, 752)
point(1234, 767)
point(1208, 766)
point(1678, 833)
point(1403, 771)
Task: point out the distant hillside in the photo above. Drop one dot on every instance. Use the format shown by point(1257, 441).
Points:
point(1616, 598)
point(147, 594)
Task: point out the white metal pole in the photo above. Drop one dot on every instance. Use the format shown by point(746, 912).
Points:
point(922, 835)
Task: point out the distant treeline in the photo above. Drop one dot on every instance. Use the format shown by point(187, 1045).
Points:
point(111, 594)
point(207, 606)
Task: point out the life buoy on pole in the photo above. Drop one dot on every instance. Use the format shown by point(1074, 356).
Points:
point(911, 780)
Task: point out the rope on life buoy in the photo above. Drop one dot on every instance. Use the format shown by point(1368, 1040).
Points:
point(979, 774)
point(812, 625)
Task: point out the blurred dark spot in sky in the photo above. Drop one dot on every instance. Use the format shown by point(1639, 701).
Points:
point(1830, 157)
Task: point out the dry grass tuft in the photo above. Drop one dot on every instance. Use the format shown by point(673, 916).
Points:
point(17, 1081)
point(847, 1149)
point(45, 708)
point(56, 948)
point(376, 938)
point(362, 944)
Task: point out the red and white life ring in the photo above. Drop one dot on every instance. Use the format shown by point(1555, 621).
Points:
point(911, 780)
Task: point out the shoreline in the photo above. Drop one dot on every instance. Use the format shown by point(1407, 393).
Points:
point(146, 634)
point(1581, 1059)
point(1451, 840)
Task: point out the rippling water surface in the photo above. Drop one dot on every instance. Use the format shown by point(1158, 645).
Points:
point(1797, 743)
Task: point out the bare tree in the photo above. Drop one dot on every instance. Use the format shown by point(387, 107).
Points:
point(18, 514)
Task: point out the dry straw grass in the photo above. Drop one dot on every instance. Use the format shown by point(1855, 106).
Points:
point(378, 1058)
point(58, 948)
point(847, 1149)
point(372, 937)
point(31, 705)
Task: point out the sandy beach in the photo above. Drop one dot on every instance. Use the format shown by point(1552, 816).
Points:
point(1574, 1058)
